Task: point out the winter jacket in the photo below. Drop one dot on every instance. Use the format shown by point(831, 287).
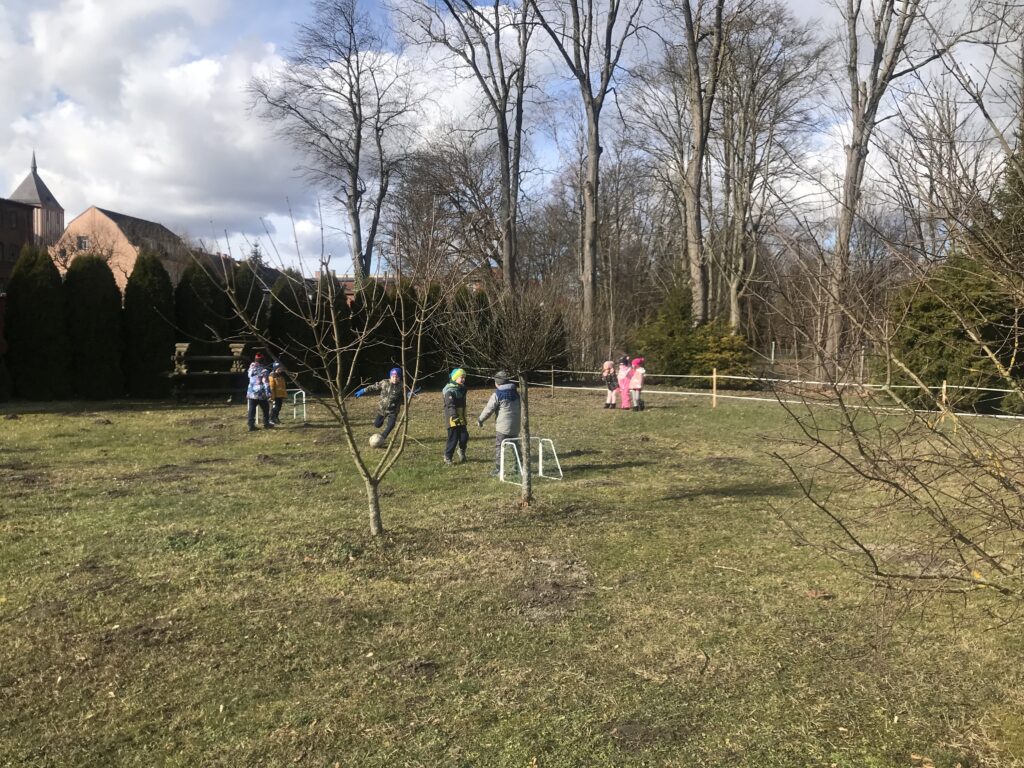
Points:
point(390, 400)
point(610, 380)
point(625, 373)
point(636, 381)
point(278, 385)
point(259, 384)
point(506, 404)
point(454, 404)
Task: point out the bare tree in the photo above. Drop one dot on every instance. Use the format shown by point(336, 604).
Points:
point(491, 41)
point(590, 38)
point(883, 37)
point(519, 332)
point(343, 99)
point(925, 493)
point(765, 112)
point(333, 335)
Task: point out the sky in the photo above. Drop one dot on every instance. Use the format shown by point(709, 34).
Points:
point(140, 106)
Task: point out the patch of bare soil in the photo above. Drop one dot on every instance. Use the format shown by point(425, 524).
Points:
point(550, 589)
point(639, 734)
point(16, 464)
point(316, 477)
point(417, 667)
point(94, 577)
point(146, 634)
point(201, 442)
point(165, 473)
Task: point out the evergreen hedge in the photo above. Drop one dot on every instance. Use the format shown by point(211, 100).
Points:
point(37, 344)
point(149, 334)
point(93, 311)
point(670, 344)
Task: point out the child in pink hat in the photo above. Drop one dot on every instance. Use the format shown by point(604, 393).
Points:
point(636, 384)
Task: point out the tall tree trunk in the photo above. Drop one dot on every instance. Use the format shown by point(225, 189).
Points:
point(590, 220)
point(695, 245)
point(525, 443)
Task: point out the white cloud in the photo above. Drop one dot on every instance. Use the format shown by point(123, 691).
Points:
point(124, 113)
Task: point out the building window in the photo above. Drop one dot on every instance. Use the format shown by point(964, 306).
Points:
point(82, 243)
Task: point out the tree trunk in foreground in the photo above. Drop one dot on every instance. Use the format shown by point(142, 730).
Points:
point(524, 443)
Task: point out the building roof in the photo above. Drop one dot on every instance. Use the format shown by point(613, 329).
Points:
point(33, 191)
point(143, 233)
point(17, 203)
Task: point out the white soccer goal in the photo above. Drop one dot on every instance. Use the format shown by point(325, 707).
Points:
point(298, 400)
point(541, 443)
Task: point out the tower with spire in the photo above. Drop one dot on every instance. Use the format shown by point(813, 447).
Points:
point(48, 218)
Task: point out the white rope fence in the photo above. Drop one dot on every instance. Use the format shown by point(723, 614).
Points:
point(713, 393)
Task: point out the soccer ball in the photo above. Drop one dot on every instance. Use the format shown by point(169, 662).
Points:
point(376, 440)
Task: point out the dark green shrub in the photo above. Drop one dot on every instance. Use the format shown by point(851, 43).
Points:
point(92, 304)
point(37, 345)
point(201, 315)
point(148, 328)
point(671, 345)
point(6, 385)
point(933, 325)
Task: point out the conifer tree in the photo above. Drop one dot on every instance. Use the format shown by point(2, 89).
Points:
point(148, 328)
point(201, 312)
point(37, 345)
point(93, 311)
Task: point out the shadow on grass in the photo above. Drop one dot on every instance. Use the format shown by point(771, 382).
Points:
point(748, 490)
point(592, 467)
point(579, 452)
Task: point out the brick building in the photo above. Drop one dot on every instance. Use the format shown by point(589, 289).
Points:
point(119, 239)
point(15, 232)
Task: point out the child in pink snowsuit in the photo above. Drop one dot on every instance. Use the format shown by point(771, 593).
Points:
point(625, 373)
point(636, 384)
point(611, 381)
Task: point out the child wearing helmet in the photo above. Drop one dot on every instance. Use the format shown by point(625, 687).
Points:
point(389, 403)
point(454, 396)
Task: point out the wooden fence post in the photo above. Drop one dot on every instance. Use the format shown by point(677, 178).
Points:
point(552, 381)
point(714, 387)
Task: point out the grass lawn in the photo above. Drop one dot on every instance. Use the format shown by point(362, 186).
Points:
point(176, 591)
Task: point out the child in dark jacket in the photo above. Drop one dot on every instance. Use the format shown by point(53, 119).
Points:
point(454, 395)
point(389, 403)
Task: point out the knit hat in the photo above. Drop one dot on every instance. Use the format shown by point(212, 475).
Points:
point(277, 366)
point(501, 377)
point(607, 364)
point(456, 372)
point(637, 362)
point(623, 360)
point(259, 357)
point(395, 372)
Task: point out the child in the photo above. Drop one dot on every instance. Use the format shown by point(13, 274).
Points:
point(258, 392)
point(454, 395)
point(636, 384)
point(611, 381)
point(389, 403)
point(505, 404)
point(624, 374)
point(278, 392)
